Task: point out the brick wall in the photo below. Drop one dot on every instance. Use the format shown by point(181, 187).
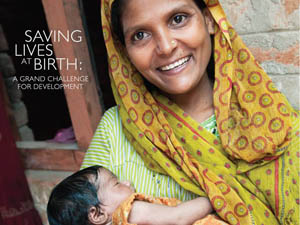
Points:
point(270, 28)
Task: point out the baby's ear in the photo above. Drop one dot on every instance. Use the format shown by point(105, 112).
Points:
point(97, 216)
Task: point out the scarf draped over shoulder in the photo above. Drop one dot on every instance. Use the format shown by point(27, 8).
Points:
point(253, 120)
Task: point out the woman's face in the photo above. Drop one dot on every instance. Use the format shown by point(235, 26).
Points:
point(168, 41)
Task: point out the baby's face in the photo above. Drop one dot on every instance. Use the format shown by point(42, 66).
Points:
point(111, 191)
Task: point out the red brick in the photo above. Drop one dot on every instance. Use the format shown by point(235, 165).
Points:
point(291, 6)
point(290, 56)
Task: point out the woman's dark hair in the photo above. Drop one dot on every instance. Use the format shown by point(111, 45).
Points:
point(116, 15)
point(71, 199)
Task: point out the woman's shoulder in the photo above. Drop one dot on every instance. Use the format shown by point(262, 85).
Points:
point(110, 122)
point(111, 117)
point(111, 114)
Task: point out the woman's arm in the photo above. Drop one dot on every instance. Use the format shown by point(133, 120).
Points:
point(183, 214)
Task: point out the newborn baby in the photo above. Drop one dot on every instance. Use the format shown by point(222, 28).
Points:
point(95, 196)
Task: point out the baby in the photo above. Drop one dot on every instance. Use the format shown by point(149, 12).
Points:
point(95, 196)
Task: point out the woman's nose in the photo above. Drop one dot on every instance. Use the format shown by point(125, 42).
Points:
point(165, 43)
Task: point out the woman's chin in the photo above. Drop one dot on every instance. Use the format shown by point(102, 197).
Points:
point(176, 91)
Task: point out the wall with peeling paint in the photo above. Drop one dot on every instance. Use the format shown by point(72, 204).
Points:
point(270, 28)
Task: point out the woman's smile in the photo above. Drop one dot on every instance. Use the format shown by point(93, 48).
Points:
point(169, 44)
point(176, 66)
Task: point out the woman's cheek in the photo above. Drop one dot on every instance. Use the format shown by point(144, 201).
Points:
point(195, 38)
point(141, 58)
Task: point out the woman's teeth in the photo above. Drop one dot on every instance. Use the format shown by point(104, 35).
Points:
point(175, 64)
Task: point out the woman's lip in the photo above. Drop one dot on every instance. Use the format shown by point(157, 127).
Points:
point(177, 69)
point(171, 64)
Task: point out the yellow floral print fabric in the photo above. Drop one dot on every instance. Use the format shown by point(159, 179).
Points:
point(120, 216)
point(244, 173)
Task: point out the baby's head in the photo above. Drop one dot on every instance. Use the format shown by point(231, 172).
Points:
point(89, 196)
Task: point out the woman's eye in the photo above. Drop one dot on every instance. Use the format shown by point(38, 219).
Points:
point(139, 36)
point(178, 19)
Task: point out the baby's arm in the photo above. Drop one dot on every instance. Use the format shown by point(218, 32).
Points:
point(183, 214)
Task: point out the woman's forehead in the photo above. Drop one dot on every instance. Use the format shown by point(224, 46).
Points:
point(143, 6)
point(140, 11)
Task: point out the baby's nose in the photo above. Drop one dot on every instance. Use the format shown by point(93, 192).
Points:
point(127, 183)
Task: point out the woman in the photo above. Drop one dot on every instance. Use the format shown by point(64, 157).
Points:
point(232, 138)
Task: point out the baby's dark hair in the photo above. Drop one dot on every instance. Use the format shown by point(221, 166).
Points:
point(71, 199)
